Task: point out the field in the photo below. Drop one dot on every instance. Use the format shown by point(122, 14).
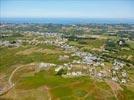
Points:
point(58, 87)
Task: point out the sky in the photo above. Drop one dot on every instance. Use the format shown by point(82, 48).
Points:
point(67, 8)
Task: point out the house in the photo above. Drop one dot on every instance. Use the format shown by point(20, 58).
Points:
point(58, 68)
point(1, 90)
point(76, 73)
point(117, 65)
point(102, 64)
point(123, 80)
point(99, 75)
point(115, 79)
point(121, 42)
point(10, 43)
point(64, 57)
point(124, 74)
point(44, 66)
point(69, 74)
point(113, 72)
point(102, 74)
point(61, 70)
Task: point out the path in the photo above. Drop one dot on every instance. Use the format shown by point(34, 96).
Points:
point(114, 87)
point(49, 95)
point(11, 84)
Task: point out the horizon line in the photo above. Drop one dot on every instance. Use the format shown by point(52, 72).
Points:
point(75, 17)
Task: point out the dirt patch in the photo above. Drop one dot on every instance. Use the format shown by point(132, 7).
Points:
point(41, 50)
point(33, 94)
point(27, 51)
point(47, 89)
point(114, 86)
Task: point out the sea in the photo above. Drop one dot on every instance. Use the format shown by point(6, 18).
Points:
point(67, 20)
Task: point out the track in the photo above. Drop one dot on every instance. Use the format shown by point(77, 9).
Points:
point(10, 82)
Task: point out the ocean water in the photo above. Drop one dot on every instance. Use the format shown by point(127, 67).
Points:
point(67, 20)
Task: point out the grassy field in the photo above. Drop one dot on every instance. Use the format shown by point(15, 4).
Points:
point(9, 56)
point(83, 88)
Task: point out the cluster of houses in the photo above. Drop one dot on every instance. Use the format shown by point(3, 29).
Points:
point(57, 42)
point(88, 62)
point(87, 58)
point(92, 62)
point(74, 74)
point(50, 38)
point(5, 35)
point(68, 48)
point(16, 43)
point(33, 42)
point(119, 74)
point(44, 66)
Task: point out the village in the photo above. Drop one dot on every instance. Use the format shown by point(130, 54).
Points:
point(67, 56)
point(87, 65)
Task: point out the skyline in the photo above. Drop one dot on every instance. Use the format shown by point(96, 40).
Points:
point(67, 8)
